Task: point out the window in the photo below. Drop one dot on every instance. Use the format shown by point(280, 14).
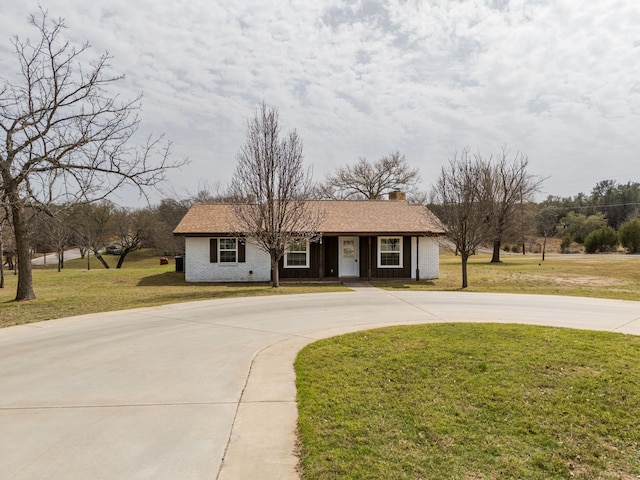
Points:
point(228, 248)
point(389, 251)
point(297, 255)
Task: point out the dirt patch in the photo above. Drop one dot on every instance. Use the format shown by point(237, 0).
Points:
point(587, 280)
point(581, 280)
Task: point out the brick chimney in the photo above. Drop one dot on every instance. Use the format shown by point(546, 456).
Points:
point(397, 196)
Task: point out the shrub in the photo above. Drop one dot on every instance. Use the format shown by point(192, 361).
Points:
point(566, 243)
point(579, 226)
point(630, 236)
point(603, 239)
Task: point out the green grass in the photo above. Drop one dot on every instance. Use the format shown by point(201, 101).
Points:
point(141, 282)
point(470, 401)
point(603, 276)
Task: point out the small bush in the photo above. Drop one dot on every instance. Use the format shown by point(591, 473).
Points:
point(603, 239)
point(630, 236)
point(566, 243)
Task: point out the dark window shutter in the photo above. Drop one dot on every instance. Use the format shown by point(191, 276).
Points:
point(213, 250)
point(241, 251)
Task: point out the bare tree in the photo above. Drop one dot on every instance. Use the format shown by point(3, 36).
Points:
point(65, 136)
point(168, 214)
point(270, 172)
point(507, 186)
point(56, 233)
point(92, 224)
point(4, 221)
point(460, 203)
point(547, 219)
point(370, 180)
point(7, 247)
point(133, 229)
point(216, 193)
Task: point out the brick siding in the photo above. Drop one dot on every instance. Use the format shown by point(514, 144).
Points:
point(256, 268)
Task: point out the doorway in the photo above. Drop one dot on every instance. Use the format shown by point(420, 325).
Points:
point(349, 252)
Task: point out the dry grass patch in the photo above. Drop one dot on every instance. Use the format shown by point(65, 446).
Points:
point(141, 282)
point(603, 276)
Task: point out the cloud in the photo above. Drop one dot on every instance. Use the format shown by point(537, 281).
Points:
point(556, 80)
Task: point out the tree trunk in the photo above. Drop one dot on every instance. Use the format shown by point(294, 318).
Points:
point(1, 260)
point(100, 259)
point(496, 252)
point(544, 247)
point(275, 274)
point(25, 278)
point(465, 282)
point(123, 254)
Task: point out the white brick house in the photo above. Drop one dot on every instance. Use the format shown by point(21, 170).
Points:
point(359, 239)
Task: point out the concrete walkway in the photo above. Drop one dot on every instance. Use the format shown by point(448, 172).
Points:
point(205, 390)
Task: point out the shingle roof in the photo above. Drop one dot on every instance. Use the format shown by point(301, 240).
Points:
point(340, 217)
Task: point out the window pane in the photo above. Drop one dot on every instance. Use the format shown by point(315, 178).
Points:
point(348, 248)
point(296, 259)
point(228, 256)
point(390, 254)
point(297, 253)
point(390, 259)
point(298, 246)
point(228, 253)
point(227, 244)
point(389, 244)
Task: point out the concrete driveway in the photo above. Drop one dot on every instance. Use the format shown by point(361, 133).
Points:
point(169, 392)
point(52, 258)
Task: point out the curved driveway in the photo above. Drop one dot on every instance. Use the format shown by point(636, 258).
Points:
point(169, 392)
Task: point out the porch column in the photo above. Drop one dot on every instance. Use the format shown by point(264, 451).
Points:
point(321, 269)
point(417, 259)
point(369, 261)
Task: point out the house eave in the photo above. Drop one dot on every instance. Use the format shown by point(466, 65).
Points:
point(204, 234)
point(324, 234)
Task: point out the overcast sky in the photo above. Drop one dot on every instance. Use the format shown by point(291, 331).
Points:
point(558, 80)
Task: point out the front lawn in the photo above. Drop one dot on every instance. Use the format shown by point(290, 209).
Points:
point(470, 401)
point(141, 282)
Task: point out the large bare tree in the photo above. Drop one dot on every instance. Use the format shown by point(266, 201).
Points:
point(66, 133)
point(508, 186)
point(460, 203)
point(271, 178)
point(370, 180)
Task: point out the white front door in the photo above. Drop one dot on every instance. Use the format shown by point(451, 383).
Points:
point(349, 248)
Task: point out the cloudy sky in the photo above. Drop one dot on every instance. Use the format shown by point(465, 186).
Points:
point(558, 80)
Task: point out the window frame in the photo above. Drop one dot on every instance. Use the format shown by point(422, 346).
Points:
point(307, 252)
point(221, 240)
point(399, 252)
